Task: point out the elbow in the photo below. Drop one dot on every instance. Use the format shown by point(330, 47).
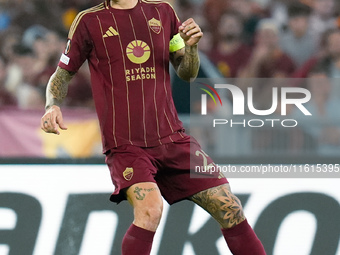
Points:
point(188, 75)
point(188, 78)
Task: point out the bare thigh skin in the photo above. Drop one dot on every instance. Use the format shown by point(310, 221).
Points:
point(221, 204)
point(147, 204)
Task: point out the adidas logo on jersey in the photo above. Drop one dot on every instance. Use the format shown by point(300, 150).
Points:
point(110, 32)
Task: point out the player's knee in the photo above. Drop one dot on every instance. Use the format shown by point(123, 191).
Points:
point(148, 217)
point(233, 214)
point(222, 204)
point(154, 214)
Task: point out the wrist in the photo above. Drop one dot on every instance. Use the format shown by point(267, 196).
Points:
point(191, 49)
point(47, 107)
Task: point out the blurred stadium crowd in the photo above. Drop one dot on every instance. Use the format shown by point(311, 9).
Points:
point(242, 38)
point(33, 34)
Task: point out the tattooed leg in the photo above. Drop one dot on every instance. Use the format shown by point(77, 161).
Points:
point(147, 204)
point(222, 204)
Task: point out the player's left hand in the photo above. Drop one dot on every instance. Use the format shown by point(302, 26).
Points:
point(190, 32)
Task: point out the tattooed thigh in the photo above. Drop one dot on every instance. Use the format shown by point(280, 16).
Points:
point(222, 204)
point(141, 193)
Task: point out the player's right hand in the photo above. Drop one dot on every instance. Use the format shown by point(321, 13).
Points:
point(52, 119)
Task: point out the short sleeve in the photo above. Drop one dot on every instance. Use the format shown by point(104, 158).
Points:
point(79, 45)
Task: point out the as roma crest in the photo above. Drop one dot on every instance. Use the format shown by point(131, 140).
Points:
point(155, 25)
point(128, 173)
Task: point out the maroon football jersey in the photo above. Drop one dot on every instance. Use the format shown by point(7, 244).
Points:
point(128, 55)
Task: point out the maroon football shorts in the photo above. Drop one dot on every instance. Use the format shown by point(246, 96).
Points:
point(168, 165)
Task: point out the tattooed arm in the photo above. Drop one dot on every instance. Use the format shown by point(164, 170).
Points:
point(186, 60)
point(56, 91)
point(57, 87)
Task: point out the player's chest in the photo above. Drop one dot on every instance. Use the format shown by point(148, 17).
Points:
point(134, 36)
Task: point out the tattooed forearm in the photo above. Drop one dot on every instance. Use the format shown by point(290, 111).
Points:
point(189, 64)
point(224, 206)
point(57, 87)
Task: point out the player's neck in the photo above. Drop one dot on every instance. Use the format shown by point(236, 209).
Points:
point(123, 4)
